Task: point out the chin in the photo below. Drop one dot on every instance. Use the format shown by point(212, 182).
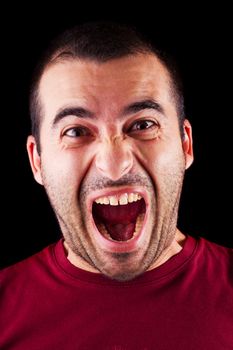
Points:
point(122, 273)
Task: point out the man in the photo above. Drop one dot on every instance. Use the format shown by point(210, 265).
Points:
point(110, 144)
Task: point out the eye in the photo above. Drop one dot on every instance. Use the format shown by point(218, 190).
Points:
point(143, 125)
point(77, 132)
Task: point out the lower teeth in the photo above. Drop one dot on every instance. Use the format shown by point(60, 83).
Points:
point(139, 222)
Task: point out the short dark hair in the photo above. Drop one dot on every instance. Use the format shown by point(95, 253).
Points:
point(100, 42)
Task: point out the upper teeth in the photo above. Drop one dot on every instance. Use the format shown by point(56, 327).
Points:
point(119, 200)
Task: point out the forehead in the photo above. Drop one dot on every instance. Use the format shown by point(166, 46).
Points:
point(99, 85)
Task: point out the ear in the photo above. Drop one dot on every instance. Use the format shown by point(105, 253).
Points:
point(187, 143)
point(34, 159)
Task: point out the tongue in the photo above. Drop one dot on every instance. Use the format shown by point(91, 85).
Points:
point(121, 232)
point(119, 220)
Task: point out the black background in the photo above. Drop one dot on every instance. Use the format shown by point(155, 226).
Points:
point(200, 40)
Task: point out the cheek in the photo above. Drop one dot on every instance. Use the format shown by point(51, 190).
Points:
point(161, 159)
point(60, 170)
point(66, 167)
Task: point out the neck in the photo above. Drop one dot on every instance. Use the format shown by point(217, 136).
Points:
point(174, 248)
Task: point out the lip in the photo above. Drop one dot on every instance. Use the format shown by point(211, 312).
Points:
point(118, 192)
point(115, 246)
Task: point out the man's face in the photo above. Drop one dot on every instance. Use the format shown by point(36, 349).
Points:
point(112, 160)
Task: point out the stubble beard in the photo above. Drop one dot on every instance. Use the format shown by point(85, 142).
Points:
point(75, 223)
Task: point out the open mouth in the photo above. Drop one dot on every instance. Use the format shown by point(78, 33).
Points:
point(119, 218)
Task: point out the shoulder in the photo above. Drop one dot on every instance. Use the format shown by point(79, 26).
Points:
point(214, 249)
point(215, 257)
point(26, 268)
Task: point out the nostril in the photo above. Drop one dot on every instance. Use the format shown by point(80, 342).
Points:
point(126, 166)
point(114, 164)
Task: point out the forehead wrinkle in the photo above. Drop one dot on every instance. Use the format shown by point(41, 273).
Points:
point(140, 85)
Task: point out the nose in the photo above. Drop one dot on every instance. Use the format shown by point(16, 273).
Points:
point(114, 159)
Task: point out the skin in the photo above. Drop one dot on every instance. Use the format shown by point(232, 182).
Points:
point(112, 153)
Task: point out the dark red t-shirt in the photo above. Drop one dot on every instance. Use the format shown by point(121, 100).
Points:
point(47, 303)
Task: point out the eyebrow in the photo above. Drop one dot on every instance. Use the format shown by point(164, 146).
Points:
point(141, 105)
point(81, 112)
